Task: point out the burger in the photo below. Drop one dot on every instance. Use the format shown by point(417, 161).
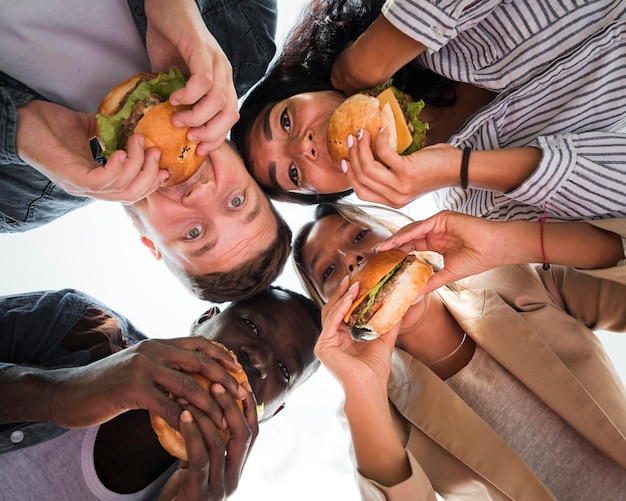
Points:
point(387, 107)
point(172, 440)
point(140, 105)
point(389, 283)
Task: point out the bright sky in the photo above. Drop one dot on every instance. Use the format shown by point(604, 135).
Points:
point(302, 453)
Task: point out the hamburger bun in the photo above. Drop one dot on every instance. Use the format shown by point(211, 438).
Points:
point(363, 111)
point(393, 299)
point(170, 439)
point(151, 115)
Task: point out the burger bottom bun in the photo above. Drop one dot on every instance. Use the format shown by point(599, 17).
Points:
point(178, 154)
point(407, 287)
point(170, 439)
point(359, 111)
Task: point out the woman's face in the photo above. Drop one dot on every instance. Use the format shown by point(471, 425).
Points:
point(334, 247)
point(288, 145)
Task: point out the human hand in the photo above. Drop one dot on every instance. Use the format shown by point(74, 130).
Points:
point(468, 244)
point(138, 378)
point(214, 468)
point(395, 180)
point(177, 36)
point(353, 363)
point(55, 141)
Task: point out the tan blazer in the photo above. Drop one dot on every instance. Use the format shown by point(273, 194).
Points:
point(517, 314)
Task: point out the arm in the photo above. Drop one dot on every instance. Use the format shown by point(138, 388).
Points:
point(362, 369)
point(396, 180)
point(401, 33)
point(471, 245)
point(134, 378)
point(177, 35)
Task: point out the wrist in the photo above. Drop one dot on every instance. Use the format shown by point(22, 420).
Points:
point(24, 393)
point(501, 170)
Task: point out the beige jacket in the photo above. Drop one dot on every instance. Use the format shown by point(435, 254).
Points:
point(519, 315)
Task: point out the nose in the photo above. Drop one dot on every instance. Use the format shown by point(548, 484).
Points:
point(353, 260)
point(305, 146)
point(199, 194)
point(256, 358)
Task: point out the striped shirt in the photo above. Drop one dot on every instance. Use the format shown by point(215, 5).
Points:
point(498, 44)
point(573, 112)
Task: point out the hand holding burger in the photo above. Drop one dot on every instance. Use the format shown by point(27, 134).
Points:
point(389, 283)
point(386, 107)
point(172, 440)
point(140, 105)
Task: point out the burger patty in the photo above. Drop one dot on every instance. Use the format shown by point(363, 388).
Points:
point(381, 295)
point(128, 125)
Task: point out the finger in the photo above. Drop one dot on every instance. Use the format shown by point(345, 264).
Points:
point(240, 437)
point(210, 444)
point(204, 470)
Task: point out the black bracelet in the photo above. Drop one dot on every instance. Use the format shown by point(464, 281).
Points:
point(465, 166)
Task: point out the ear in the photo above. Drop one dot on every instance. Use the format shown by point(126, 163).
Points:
point(210, 313)
point(150, 245)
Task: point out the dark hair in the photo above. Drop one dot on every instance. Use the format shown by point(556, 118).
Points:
point(310, 307)
point(252, 277)
point(324, 29)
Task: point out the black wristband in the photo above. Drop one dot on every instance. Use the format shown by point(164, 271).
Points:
point(465, 166)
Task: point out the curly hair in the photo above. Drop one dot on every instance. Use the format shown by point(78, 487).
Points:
point(324, 29)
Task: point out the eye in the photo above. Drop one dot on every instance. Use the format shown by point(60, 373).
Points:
point(360, 235)
point(237, 201)
point(327, 273)
point(193, 233)
point(293, 175)
point(251, 326)
point(285, 122)
point(284, 370)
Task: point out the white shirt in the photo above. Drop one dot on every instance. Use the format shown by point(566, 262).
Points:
point(498, 44)
point(571, 112)
point(72, 52)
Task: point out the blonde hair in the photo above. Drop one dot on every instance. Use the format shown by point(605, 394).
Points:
point(391, 219)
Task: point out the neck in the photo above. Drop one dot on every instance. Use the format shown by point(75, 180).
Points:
point(445, 121)
point(435, 338)
point(127, 453)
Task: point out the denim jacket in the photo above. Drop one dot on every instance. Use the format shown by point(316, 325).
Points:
point(34, 330)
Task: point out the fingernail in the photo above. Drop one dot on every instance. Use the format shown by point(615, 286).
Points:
point(218, 388)
point(344, 165)
point(353, 287)
point(381, 130)
point(142, 140)
point(186, 416)
point(178, 123)
point(359, 136)
point(344, 280)
point(350, 141)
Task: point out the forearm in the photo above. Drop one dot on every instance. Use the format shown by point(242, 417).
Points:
point(380, 455)
point(500, 170)
point(576, 244)
point(26, 394)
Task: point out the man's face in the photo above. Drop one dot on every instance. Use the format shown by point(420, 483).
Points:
point(213, 222)
point(273, 337)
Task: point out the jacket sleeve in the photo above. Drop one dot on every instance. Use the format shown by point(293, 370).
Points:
point(596, 302)
point(437, 22)
point(416, 488)
point(245, 30)
point(12, 95)
point(580, 175)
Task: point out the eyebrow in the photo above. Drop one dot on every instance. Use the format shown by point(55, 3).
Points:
point(316, 257)
point(250, 217)
point(267, 128)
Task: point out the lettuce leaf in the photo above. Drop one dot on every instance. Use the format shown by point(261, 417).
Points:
point(372, 294)
point(110, 127)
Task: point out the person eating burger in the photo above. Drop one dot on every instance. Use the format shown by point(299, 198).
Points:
point(90, 457)
point(501, 369)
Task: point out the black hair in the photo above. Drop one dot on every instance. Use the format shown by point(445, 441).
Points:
point(324, 29)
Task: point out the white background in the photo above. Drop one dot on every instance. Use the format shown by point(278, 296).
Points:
point(302, 453)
